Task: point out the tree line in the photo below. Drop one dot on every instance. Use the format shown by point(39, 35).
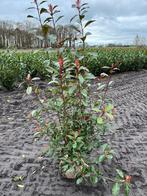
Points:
point(28, 35)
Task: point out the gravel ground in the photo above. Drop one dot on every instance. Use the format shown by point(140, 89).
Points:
point(20, 154)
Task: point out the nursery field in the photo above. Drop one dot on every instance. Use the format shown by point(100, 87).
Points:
point(24, 172)
point(73, 118)
point(23, 168)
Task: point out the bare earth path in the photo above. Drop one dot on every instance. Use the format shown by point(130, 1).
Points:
point(19, 154)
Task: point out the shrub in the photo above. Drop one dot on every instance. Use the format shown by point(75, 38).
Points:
point(35, 64)
point(128, 59)
point(11, 70)
point(15, 66)
point(78, 123)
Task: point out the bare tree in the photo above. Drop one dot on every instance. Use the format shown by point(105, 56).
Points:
point(139, 41)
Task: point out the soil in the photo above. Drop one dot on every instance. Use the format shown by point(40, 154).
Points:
point(23, 172)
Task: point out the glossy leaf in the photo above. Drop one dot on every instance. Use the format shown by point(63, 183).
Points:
point(73, 18)
point(30, 16)
point(73, 6)
point(81, 79)
point(84, 4)
point(127, 189)
point(120, 173)
point(55, 7)
point(94, 179)
point(76, 28)
point(43, 10)
point(79, 181)
point(42, 2)
point(48, 19)
point(83, 38)
point(100, 121)
point(101, 158)
point(29, 90)
point(116, 189)
point(89, 22)
point(84, 8)
point(56, 11)
point(82, 17)
point(88, 33)
point(20, 185)
point(59, 18)
point(30, 8)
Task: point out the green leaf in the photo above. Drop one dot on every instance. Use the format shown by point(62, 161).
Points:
point(110, 116)
point(30, 16)
point(29, 90)
point(59, 102)
point(109, 107)
point(101, 86)
point(100, 121)
point(70, 173)
point(55, 7)
point(18, 178)
point(84, 69)
point(33, 113)
point(42, 2)
point(36, 134)
point(73, 18)
point(74, 145)
point(53, 82)
point(71, 90)
point(56, 11)
point(36, 79)
point(116, 189)
point(20, 186)
point(96, 110)
point(88, 33)
point(65, 167)
point(127, 189)
point(79, 181)
point(73, 5)
point(59, 18)
point(84, 4)
point(84, 93)
point(105, 67)
point(104, 147)
point(88, 23)
point(90, 76)
point(30, 8)
point(110, 157)
point(48, 19)
point(70, 137)
point(81, 79)
point(43, 10)
point(120, 173)
point(83, 38)
point(101, 158)
point(84, 8)
point(94, 179)
point(76, 134)
point(84, 12)
point(75, 28)
point(82, 17)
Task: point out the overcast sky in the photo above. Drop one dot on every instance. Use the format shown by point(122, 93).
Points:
point(117, 21)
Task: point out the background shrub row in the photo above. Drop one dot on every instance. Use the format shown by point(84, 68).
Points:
point(14, 66)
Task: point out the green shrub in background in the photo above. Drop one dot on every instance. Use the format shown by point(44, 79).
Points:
point(36, 64)
point(128, 59)
point(11, 69)
point(14, 66)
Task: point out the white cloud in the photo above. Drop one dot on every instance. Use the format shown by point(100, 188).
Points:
point(116, 21)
